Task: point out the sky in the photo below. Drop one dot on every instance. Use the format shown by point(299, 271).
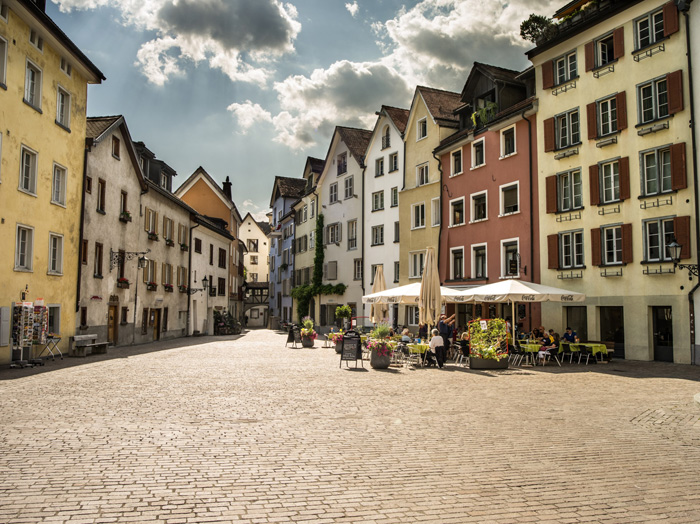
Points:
point(249, 88)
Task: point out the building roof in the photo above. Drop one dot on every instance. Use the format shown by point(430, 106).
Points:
point(167, 194)
point(357, 141)
point(288, 188)
point(214, 224)
point(316, 164)
point(257, 285)
point(200, 171)
point(398, 116)
point(441, 104)
point(265, 227)
point(98, 125)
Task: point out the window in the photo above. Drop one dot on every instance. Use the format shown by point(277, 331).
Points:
point(612, 247)
point(396, 271)
point(386, 138)
point(312, 210)
point(652, 98)
point(379, 167)
point(125, 315)
point(378, 235)
point(607, 116)
point(332, 270)
point(333, 233)
point(478, 158)
point(164, 181)
point(101, 189)
point(3, 10)
point(222, 287)
point(567, 129)
point(168, 228)
point(422, 175)
point(378, 201)
point(357, 269)
point(27, 176)
point(412, 315)
point(333, 193)
point(393, 162)
point(83, 316)
point(36, 40)
point(649, 29)
point(149, 272)
point(456, 162)
point(167, 270)
point(58, 186)
point(565, 68)
point(418, 214)
point(84, 252)
point(63, 107)
point(312, 239)
point(115, 147)
point(508, 142)
point(457, 212)
point(610, 174)
point(421, 129)
point(198, 245)
point(54, 319)
point(342, 163)
point(509, 199)
point(88, 184)
point(605, 50)
point(397, 230)
point(211, 254)
point(98, 260)
point(66, 67)
point(479, 261)
point(349, 187)
point(124, 207)
point(457, 263)
point(222, 258)
point(509, 257)
point(570, 190)
point(352, 234)
point(253, 277)
point(32, 85)
point(657, 235)
point(394, 196)
point(55, 254)
point(571, 249)
point(479, 207)
point(415, 264)
point(254, 260)
point(3, 61)
point(656, 171)
point(252, 245)
point(24, 249)
point(373, 272)
point(305, 213)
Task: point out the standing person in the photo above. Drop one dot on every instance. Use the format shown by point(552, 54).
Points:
point(445, 329)
point(437, 347)
point(423, 331)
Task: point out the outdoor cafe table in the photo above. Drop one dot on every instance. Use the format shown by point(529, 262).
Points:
point(595, 348)
point(531, 349)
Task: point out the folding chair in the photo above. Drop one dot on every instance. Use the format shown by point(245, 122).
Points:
point(551, 352)
point(566, 350)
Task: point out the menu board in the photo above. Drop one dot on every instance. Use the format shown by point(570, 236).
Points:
point(352, 349)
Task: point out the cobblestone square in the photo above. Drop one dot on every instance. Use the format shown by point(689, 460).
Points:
point(245, 430)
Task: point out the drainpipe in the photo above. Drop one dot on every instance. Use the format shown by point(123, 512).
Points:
point(82, 226)
point(439, 251)
point(532, 226)
point(684, 7)
point(362, 249)
point(189, 282)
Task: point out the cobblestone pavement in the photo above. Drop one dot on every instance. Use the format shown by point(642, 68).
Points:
point(244, 430)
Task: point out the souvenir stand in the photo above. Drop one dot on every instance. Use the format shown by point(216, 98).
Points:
point(30, 324)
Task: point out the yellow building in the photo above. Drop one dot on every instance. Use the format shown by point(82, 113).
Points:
point(43, 98)
point(615, 175)
point(430, 121)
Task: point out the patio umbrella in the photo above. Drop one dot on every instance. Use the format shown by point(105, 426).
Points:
point(378, 311)
point(429, 299)
point(410, 293)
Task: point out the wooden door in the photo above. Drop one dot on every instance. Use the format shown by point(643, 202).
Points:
point(663, 333)
point(156, 324)
point(112, 325)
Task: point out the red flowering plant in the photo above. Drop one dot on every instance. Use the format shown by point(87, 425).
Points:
point(379, 339)
point(335, 336)
point(308, 329)
point(123, 280)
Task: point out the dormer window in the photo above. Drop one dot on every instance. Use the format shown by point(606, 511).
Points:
point(163, 181)
point(66, 67)
point(36, 40)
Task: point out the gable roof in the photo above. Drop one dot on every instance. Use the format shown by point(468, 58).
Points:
point(357, 141)
point(99, 125)
point(265, 227)
point(316, 164)
point(398, 116)
point(288, 188)
point(441, 104)
point(200, 172)
point(495, 73)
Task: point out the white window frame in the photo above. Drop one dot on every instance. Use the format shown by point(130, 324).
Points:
point(413, 257)
point(567, 62)
point(419, 174)
point(661, 222)
point(397, 267)
point(453, 155)
point(352, 234)
point(65, 66)
point(379, 167)
point(649, 17)
point(656, 106)
point(357, 269)
point(504, 272)
point(657, 153)
point(377, 238)
point(610, 111)
point(312, 209)
point(57, 317)
point(464, 211)
point(59, 262)
point(393, 162)
point(574, 251)
point(36, 40)
point(452, 266)
point(614, 179)
point(501, 199)
point(472, 208)
point(312, 239)
point(333, 193)
point(394, 196)
point(610, 52)
point(373, 271)
point(3, 61)
point(616, 230)
point(572, 206)
point(61, 201)
point(420, 127)
point(4, 9)
point(503, 142)
point(33, 175)
point(482, 142)
point(63, 120)
point(349, 187)
point(474, 247)
point(35, 95)
point(564, 135)
point(378, 200)
point(29, 254)
point(412, 316)
point(413, 216)
point(435, 212)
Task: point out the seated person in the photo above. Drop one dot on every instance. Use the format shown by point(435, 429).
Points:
point(436, 349)
point(570, 336)
point(549, 342)
point(405, 335)
point(423, 331)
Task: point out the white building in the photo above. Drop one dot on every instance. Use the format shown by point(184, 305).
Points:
point(382, 182)
point(254, 235)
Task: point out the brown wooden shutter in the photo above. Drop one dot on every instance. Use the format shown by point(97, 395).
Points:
point(548, 75)
point(678, 176)
point(156, 223)
point(163, 271)
point(618, 42)
point(145, 273)
point(670, 18)
point(674, 82)
point(681, 229)
point(553, 251)
point(551, 193)
point(595, 247)
point(627, 244)
point(595, 184)
point(549, 135)
point(589, 52)
point(591, 113)
point(624, 172)
point(621, 103)
point(145, 224)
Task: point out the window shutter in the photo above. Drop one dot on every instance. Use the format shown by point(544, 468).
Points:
point(156, 223)
point(681, 228)
point(145, 273)
point(155, 272)
point(624, 172)
point(618, 42)
point(325, 236)
point(547, 74)
point(146, 215)
point(590, 56)
point(595, 247)
point(340, 231)
point(626, 243)
point(591, 113)
point(325, 271)
point(163, 271)
point(595, 184)
point(549, 135)
point(294, 246)
point(675, 92)
point(551, 190)
point(670, 18)
point(553, 251)
point(621, 102)
point(678, 177)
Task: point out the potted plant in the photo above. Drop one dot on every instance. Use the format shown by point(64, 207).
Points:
point(123, 283)
point(125, 216)
point(337, 338)
point(182, 289)
point(284, 266)
point(184, 247)
point(488, 347)
point(169, 242)
point(343, 312)
point(152, 235)
point(151, 286)
point(168, 288)
point(308, 335)
point(378, 344)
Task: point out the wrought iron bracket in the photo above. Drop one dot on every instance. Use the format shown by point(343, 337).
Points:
point(119, 257)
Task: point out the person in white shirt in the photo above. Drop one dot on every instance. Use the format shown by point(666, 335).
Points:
point(437, 347)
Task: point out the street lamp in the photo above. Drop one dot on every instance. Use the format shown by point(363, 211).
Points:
point(675, 249)
point(205, 287)
point(141, 263)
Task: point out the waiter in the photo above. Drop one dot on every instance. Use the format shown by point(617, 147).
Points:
point(445, 329)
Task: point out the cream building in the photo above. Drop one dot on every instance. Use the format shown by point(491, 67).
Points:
point(615, 175)
point(254, 236)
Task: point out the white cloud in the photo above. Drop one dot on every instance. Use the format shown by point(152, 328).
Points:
point(248, 114)
point(352, 8)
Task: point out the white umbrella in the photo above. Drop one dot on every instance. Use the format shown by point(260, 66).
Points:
point(378, 311)
point(410, 293)
point(430, 299)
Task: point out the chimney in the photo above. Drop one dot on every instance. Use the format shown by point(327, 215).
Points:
point(227, 189)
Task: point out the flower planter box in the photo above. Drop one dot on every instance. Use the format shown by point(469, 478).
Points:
point(153, 236)
point(487, 363)
point(151, 287)
point(123, 285)
point(182, 289)
point(184, 247)
point(170, 243)
point(168, 289)
point(125, 218)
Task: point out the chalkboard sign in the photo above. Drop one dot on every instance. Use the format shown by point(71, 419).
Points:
point(293, 336)
point(352, 348)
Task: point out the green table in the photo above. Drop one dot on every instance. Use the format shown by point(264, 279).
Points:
point(595, 348)
point(530, 348)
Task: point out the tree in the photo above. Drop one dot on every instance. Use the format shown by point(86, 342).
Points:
point(537, 28)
